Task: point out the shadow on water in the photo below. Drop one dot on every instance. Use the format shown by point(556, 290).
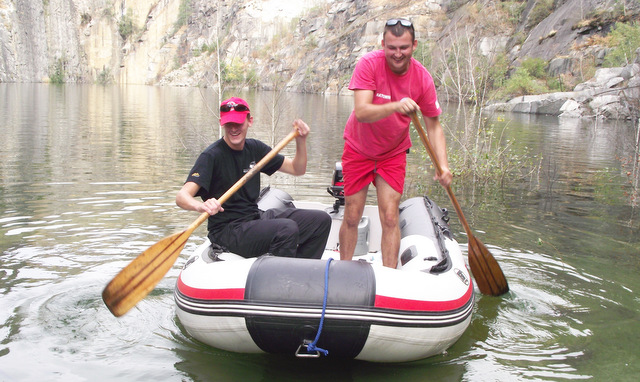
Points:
point(202, 363)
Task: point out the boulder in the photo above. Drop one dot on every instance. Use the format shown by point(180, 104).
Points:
point(613, 93)
point(603, 79)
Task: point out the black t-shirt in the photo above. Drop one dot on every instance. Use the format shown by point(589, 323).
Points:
point(219, 167)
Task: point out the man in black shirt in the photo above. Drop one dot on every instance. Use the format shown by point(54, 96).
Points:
point(240, 226)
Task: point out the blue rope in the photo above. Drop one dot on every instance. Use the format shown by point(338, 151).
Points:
point(312, 346)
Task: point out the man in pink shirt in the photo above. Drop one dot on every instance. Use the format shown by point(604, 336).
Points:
point(389, 85)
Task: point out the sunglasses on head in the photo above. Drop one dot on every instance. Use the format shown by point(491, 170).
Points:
point(404, 22)
point(232, 105)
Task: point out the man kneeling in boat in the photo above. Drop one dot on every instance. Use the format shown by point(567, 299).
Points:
point(239, 225)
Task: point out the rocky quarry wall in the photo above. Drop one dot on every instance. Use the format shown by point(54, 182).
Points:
point(303, 46)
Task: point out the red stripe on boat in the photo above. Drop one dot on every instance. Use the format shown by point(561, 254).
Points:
point(395, 303)
point(210, 294)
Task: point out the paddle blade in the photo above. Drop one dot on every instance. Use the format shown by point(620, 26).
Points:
point(485, 269)
point(139, 278)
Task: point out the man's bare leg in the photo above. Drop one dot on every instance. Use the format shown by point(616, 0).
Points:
point(388, 207)
point(348, 236)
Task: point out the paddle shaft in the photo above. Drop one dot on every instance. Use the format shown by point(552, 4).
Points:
point(144, 272)
point(436, 163)
point(252, 171)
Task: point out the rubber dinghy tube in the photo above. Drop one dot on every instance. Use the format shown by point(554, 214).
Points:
point(312, 346)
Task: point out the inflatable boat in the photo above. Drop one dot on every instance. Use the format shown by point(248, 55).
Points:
point(327, 307)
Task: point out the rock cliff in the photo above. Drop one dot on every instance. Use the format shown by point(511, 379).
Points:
point(305, 46)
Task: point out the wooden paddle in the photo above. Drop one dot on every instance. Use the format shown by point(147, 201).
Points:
point(484, 266)
point(139, 278)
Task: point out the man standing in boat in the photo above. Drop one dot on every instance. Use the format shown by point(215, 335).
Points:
point(240, 226)
point(389, 85)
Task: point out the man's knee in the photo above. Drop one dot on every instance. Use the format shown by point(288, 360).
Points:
point(323, 219)
point(287, 228)
point(389, 219)
point(389, 213)
point(352, 216)
point(284, 241)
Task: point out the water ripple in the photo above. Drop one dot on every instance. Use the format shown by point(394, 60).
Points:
point(533, 323)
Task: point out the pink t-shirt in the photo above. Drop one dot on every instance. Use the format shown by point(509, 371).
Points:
point(388, 136)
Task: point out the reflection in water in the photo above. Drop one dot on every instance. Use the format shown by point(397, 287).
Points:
point(526, 326)
point(88, 176)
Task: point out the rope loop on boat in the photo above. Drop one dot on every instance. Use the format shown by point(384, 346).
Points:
point(312, 346)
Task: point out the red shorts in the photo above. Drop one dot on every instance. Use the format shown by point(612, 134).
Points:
point(358, 171)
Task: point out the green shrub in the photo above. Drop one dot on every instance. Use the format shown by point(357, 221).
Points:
point(513, 9)
point(57, 71)
point(125, 25)
point(184, 10)
point(85, 19)
point(624, 39)
point(498, 71)
point(482, 152)
point(104, 77)
point(237, 74)
point(536, 67)
point(206, 48)
point(523, 83)
point(540, 11)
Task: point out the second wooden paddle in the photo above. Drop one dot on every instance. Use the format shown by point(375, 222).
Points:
point(139, 278)
point(484, 266)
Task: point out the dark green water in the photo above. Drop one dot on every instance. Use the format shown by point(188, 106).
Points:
point(88, 177)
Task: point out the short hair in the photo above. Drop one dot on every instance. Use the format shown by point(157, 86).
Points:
point(398, 30)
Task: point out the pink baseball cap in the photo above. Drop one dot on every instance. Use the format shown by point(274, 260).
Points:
point(233, 110)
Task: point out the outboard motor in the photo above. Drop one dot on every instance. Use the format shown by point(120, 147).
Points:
point(337, 187)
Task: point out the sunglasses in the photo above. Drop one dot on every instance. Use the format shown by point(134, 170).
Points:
point(405, 23)
point(227, 107)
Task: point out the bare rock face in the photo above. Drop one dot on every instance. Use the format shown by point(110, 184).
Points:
point(302, 46)
point(24, 55)
point(41, 40)
point(557, 32)
point(313, 44)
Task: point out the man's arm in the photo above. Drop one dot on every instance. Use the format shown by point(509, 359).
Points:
point(298, 165)
point(186, 199)
point(367, 112)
